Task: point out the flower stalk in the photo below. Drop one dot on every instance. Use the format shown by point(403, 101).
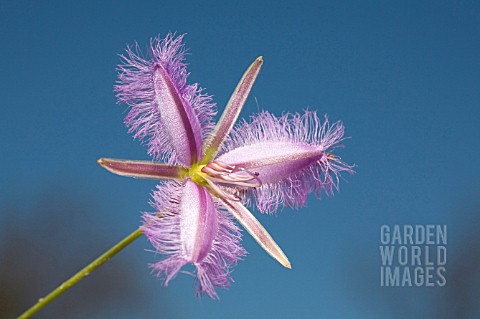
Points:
point(42, 302)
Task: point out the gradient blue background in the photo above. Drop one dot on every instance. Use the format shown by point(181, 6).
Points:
point(404, 77)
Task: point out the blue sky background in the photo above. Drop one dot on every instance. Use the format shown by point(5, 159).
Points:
point(404, 77)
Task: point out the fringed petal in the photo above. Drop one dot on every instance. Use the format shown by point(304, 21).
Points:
point(171, 116)
point(190, 227)
point(292, 156)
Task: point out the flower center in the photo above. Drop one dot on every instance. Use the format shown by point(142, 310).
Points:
point(225, 180)
point(196, 175)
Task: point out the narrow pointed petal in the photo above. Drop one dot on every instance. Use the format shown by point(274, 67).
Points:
point(291, 155)
point(190, 227)
point(258, 232)
point(141, 169)
point(232, 111)
point(166, 112)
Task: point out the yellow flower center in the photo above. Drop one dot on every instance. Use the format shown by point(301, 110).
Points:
point(196, 175)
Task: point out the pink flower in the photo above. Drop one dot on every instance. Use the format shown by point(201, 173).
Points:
point(210, 172)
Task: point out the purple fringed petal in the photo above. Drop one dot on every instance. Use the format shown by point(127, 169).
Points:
point(198, 222)
point(170, 115)
point(190, 227)
point(291, 154)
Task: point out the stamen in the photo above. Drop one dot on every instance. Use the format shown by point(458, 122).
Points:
point(230, 175)
point(210, 171)
point(219, 166)
point(251, 184)
point(222, 193)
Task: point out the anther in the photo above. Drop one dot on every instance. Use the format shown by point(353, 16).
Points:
point(230, 175)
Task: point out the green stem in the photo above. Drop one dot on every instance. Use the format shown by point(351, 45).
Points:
point(42, 302)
